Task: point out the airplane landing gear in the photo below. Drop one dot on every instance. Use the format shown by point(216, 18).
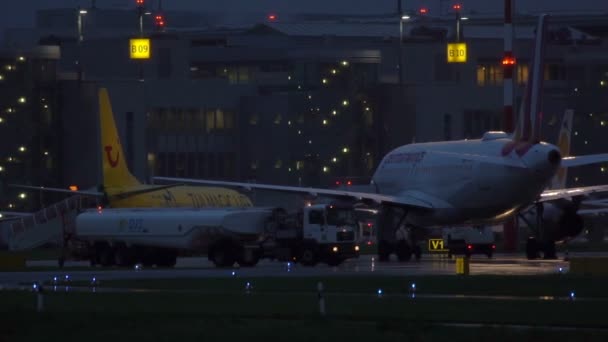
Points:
point(537, 243)
point(393, 238)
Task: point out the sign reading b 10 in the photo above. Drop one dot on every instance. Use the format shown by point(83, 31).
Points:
point(139, 48)
point(457, 52)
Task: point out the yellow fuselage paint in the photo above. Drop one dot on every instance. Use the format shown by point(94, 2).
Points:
point(184, 196)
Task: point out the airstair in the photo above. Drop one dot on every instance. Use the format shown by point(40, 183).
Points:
point(51, 224)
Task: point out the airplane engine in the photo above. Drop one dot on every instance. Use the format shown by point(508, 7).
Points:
point(560, 221)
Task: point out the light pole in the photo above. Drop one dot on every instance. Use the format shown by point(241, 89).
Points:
point(402, 18)
point(81, 13)
point(79, 23)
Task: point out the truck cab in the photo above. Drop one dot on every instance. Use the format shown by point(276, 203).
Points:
point(469, 240)
point(315, 233)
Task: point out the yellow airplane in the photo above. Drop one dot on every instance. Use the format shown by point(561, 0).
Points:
point(122, 190)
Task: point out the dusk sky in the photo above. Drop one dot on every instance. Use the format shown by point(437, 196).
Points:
point(21, 14)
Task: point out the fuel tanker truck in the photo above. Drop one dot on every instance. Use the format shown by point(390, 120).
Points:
point(153, 236)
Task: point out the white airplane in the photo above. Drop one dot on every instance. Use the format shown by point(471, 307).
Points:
point(472, 182)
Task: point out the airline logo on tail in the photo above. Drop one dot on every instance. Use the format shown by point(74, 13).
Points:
point(527, 132)
point(113, 162)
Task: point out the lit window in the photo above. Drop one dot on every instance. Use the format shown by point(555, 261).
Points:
point(278, 118)
point(299, 165)
point(278, 164)
point(219, 119)
point(489, 74)
point(522, 73)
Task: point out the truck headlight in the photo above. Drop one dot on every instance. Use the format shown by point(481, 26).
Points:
point(335, 249)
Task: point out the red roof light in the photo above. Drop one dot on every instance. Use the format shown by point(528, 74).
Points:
point(469, 247)
point(272, 17)
point(423, 10)
point(457, 7)
point(508, 60)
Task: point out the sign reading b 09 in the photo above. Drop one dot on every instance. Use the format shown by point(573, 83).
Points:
point(457, 53)
point(139, 48)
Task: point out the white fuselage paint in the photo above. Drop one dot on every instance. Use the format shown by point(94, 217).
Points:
point(464, 188)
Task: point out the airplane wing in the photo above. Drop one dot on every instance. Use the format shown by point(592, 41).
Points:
point(409, 199)
point(120, 195)
point(44, 188)
point(589, 212)
point(584, 160)
point(142, 190)
point(550, 195)
point(12, 215)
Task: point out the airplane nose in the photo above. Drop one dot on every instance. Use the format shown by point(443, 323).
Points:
point(554, 157)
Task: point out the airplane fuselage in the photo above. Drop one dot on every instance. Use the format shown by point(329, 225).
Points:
point(184, 196)
point(469, 181)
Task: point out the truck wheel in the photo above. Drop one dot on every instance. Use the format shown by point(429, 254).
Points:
point(106, 256)
point(222, 255)
point(308, 257)
point(249, 258)
point(123, 257)
point(166, 258)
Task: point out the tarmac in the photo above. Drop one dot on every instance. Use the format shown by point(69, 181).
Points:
point(365, 265)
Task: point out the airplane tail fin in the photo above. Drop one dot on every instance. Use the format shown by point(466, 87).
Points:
point(530, 113)
point(116, 175)
point(563, 142)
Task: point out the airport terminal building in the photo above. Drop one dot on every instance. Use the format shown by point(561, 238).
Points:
point(302, 102)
